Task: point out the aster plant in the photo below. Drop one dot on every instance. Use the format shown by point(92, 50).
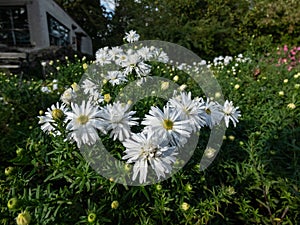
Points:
point(92, 109)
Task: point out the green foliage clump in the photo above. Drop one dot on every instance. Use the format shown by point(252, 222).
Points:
point(215, 27)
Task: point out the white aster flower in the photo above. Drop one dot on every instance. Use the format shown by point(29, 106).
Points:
point(121, 59)
point(49, 121)
point(131, 36)
point(54, 86)
point(84, 123)
point(134, 63)
point(190, 109)
point(92, 89)
point(159, 55)
point(202, 62)
point(227, 60)
point(96, 97)
point(145, 53)
point(68, 96)
point(230, 113)
point(115, 77)
point(168, 124)
point(212, 113)
point(118, 119)
point(115, 52)
point(103, 57)
point(89, 86)
point(45, 89)
point(148, 148)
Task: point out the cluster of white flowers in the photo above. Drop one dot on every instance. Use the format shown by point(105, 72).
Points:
point(163, 131)
point(130, 61)
point(229, 62)
point(222, 60)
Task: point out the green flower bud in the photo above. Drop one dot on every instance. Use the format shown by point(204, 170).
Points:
point(12, 203)
point(158, 187)
point(127, 167)
point(20, 151)
point(9, 170)
point(23, 218)
point(188, 187)
point(185, 206)
point(92, 217)
point(114, 204)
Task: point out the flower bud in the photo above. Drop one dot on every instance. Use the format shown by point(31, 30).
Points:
point(127, 167)
point(20, 151)
point(57, 114)
point(114, 204)
point(231, 137)
point(188, 187)
point(12, 203)
point(23, 218)
point(107, 98)
point(75, 87)
point(164, 85)
point(92, 217)
point(185, 206)
point(85, 66)
point(291, 106)
point(158, 187)
point(8, 170)
point(236, 86)
point(176, 78)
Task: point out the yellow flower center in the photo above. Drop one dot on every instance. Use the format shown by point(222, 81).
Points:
point(57, 114)
point(168, 124)
point(208, 111)
point(82, 119)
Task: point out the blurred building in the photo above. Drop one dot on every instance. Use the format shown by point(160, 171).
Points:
point(29, 25)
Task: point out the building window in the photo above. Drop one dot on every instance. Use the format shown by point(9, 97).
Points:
point(14, 29)
point(59, 35)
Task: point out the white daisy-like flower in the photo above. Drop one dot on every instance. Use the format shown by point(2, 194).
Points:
point(103, 57)
point(168, 124)
point(227, 60)
point(68, 96)
point(145, 53)
point(96, 97)
point(159, 55)
point(92, 89)
point(49, 121)
point(114, 52)
point(89, 86)
point(115, 77)
point(212, 113)
point(131, 36)
point(230, 113)
point(84, 123)
point(134, 63)
point(45, 89)
point(118, 119)
point(121, 59)
point(147, 148)
point(190, 109)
